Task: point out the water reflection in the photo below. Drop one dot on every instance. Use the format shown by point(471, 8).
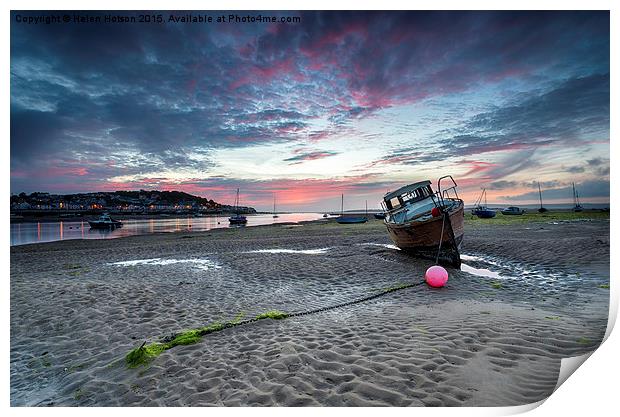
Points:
point(23, 233)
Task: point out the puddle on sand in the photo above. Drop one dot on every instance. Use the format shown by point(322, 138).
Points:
point(383, 245)
point(481, 272)
point(204, 264)
point(320, 251)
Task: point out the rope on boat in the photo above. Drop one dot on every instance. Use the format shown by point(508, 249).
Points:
point(443, 222)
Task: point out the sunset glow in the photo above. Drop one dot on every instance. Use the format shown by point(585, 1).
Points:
point(353, 103)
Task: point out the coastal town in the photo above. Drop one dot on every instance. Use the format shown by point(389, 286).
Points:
point(124, 202)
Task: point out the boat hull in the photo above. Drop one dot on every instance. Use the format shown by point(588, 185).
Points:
point(237, 220)
point(485, 214)
point(101, 225)
point(351, 220)
point(422, 238)
point(512, 213)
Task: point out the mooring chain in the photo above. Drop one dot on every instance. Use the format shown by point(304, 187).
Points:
point(315, 311)
point(359, 300)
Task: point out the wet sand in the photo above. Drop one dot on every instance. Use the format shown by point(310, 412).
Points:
point(528, 295)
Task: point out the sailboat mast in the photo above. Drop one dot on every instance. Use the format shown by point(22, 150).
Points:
point(540, 194)
point(341, 204)
point(237, 202)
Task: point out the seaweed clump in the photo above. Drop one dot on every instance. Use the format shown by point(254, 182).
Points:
point(145, 353)
point(273, 314)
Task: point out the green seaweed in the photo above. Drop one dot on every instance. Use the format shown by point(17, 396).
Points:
point(185, 338)
point(584, 341)
point(78, 367)
point(273, 314)
point(37, 363)
point(604, 286)
point(552, 317)
point(496, 285)
point(146, 353)
point(238, 318)
point(78, 394)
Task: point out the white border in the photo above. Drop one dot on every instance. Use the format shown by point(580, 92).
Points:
point(591, 389)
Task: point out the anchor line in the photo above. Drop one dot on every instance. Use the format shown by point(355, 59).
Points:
point(315, 311)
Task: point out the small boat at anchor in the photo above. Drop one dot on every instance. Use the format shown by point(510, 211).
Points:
point(512, 211)
point(105, 222)
point(482, 211)
point(350, 219)
point(426, 223)
point(237, 218)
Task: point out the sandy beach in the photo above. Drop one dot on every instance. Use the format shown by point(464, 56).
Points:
point(528, 294)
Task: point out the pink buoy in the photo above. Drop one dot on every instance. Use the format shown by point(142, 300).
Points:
point(436, 276)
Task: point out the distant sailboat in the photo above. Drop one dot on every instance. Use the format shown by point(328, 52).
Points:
point(577, 207)
point(350, 219)
point(482, 211)
point(275, 215)
point(237, 218)
point(541, 209)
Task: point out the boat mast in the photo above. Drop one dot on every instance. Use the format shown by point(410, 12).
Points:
point(341, 204)
point(540, 194)
point(237, 203)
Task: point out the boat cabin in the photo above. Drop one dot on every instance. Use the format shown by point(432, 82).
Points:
point(409, 202)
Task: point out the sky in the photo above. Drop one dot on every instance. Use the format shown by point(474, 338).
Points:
point(353, 103)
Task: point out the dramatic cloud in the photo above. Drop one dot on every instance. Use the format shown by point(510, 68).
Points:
point(588, 189)
point(103, 105)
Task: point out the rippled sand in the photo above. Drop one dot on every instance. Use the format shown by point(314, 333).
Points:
point(78, 307)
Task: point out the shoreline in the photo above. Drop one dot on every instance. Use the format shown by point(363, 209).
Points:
point(479, 341)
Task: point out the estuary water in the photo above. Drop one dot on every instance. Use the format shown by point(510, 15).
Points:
point(24, 233)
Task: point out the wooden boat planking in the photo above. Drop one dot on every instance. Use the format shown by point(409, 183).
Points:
point(422, 238)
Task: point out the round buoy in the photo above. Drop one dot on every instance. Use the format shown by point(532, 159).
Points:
point(436, 276)
point(435, 212)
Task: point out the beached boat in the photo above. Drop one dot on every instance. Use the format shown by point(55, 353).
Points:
point(105, 222)
point(426, 223)
point(237, 218)
point(379, 216)
point(481, 210)
point(511, 211)
point(349, 219)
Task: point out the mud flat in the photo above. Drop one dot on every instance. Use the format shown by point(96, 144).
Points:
point(529, 294)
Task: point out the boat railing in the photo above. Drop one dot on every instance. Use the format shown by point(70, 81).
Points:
point(438, 197)
point(445, 193)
